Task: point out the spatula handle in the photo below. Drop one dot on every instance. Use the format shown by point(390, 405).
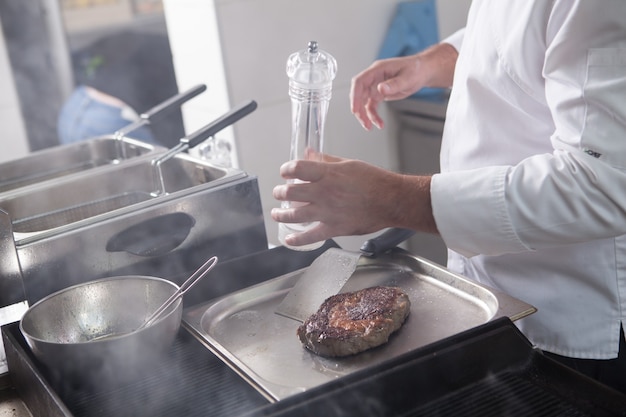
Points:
point(387, 240)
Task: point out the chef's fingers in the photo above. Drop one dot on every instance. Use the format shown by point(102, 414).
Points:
point(363, 117)
point(372, 114)
point(398, 88)
point(280, 192)
point(303, 192)
point(404, 76)
point(330, 158)
point(303, 170)
point(313, 155)
point(364, 95)
point(313, 235)
point(297, 214)
point(357, 104)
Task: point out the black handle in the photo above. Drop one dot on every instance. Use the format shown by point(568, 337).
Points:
point(173, 102)
point(224, 121)
point(387, 240)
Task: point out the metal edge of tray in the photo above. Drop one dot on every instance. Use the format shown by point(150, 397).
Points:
point(232, 175)
point(234, 364)
point(506, 306)
point(191, 321)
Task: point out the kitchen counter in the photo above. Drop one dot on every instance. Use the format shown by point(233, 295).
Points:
point(190, 381)
point(507, 375)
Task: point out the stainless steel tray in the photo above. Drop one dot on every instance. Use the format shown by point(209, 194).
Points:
point(243, 330)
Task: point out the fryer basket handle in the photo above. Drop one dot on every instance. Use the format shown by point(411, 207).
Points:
point(172, 103)
point(219, 124)
point(160, 110)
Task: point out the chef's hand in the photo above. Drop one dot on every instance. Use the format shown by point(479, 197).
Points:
point(350, 197)
point(398, 78)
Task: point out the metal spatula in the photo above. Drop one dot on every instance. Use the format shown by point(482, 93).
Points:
point(329, 272)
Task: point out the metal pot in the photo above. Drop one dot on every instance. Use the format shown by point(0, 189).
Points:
point(65, 329)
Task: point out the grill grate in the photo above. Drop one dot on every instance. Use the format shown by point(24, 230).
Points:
point(191, 382)
point(506, 394)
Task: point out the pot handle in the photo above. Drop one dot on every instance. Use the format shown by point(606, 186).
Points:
point(153, 237)
point(387, 240)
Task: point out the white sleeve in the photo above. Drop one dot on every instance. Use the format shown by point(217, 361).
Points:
point(456, 39)
point(577, 193)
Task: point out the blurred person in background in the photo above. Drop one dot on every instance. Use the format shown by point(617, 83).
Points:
point(118, 77)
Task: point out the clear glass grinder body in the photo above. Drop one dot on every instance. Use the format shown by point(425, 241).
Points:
point(311, 72)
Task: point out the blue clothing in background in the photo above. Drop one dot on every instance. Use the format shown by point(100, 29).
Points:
point(133, 67)
point(83, 117)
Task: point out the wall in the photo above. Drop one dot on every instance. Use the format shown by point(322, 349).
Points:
point(14, 142)
point(239, 49)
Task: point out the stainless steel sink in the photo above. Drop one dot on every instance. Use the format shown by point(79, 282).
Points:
point(76, 158)
point(69, 200)
point(73, 159)
point(133, 219)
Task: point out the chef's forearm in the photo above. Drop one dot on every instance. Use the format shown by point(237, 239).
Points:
point(409, 203)
point(440, 61)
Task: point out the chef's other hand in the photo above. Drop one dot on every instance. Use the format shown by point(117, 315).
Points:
point(350, 197)
point(398, 78)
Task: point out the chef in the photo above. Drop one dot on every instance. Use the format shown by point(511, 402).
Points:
point(531, 198)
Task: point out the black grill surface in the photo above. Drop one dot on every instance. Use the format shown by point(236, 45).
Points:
point(491, 370)
point(507, 394)
point(191, 382)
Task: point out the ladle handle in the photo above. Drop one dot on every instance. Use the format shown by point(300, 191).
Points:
point(190, 282)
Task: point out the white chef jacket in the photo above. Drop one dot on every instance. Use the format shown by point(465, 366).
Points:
point(531, 198)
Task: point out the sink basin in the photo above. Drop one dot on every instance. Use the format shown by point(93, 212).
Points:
point(73, 159)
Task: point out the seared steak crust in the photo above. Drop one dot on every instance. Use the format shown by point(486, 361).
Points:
point(353, 322)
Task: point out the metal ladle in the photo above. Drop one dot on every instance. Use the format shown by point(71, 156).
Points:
point(190, 282)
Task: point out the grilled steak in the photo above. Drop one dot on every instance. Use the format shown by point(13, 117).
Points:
point(353, 322)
